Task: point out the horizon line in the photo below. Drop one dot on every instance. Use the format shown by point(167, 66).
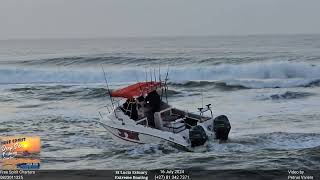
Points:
point(155, 36)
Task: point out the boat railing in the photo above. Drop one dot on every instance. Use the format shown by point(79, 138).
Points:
point(145, 119)
point(202, 110)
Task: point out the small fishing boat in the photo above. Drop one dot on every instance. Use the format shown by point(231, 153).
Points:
point(144, 117)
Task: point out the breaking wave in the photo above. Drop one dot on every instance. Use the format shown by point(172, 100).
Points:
point(286, 95)
point(199, 84)
point(250, 75)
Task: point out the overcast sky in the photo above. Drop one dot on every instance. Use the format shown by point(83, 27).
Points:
point(122, 18)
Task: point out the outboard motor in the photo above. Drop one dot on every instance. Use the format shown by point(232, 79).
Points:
point(221, 127)
point(197, 136)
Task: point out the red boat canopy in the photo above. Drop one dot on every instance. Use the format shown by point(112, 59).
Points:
point(136, 90)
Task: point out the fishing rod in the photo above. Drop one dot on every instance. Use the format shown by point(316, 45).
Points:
point(154, 73)
point(159, 75)
point(111, 99)
point(137, 79)
point(160, 84)
point(150, 71)
point(165, 84)
point(145, 70)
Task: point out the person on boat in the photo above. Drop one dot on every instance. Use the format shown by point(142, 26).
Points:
point(153, 102)
point(134, 112)
point(140, 107)
point(125, 106)
point(130, 108)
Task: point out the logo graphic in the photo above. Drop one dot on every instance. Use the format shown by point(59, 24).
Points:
point(20, 152)
point(129, 134)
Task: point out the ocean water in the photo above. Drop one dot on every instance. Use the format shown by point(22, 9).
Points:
point(268, 86)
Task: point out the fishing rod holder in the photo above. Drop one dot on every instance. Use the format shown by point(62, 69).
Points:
point(207, 108)
point(202, 110)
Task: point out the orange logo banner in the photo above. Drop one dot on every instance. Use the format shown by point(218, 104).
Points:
point(20, 152)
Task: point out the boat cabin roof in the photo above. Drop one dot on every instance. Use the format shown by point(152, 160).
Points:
point(136, 90)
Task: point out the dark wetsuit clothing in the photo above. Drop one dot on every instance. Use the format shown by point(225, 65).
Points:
point(153, 101)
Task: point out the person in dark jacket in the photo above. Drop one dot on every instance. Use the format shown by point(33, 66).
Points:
point(153, 102)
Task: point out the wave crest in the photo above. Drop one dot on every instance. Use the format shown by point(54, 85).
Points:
point(286, 95)
point(250, 75)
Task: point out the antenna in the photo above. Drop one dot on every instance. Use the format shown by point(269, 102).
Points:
point(165, 84)
point(201, 95)
point(201, 87)
point(201, 74)
point(111, 99)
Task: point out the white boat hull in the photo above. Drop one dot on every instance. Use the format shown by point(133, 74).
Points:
point(145, 135)
point(128, 132)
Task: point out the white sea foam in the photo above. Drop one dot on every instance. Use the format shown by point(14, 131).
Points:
point(250, 75)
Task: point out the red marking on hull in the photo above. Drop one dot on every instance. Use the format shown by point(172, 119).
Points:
point(130, 134)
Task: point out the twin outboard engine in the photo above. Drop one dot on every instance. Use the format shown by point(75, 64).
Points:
point(221, 127)
point(197, 136)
